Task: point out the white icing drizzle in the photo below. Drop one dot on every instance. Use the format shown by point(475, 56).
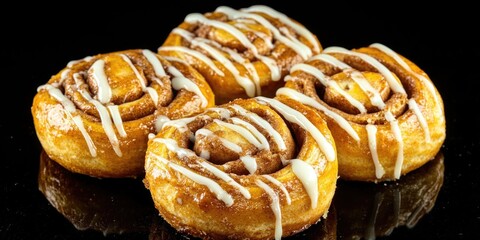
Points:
point(205, 154)
point(330, 60)
point(139, 76)
point(402, 62)
point(249, 66)
point(304, 51)
point(372, 93)
point(250, 87)
point(117, 119)
point(180, 124)
point(104, 92)
point(107, 126)
point(275, 206)
point(223, 112)
point(280, 185)
point(63, 76)
point(308, 176)
point(179, 81)
point(285, 19)
point(266, 39)
point(225, 177)
point(160, 121)
point(250, 163)
point(184, 33)
point(245, 82)
point(79, 82)
point(262, 123)
point(398, 136)
point(242, 131)
point(200, 18)
point(172, 146)
point(372, 143)
point(258, 135)
point(298, 96)
point(295, 116)
point(240, 36)
point(73, 62)
point(366, 87)
point(214, 187)
point(153, 94)
point(392, 81)
point(326, 81)
point(156, 64)
point(228, 144)
point(70, 108)
point(412, 104)
point(200, 56)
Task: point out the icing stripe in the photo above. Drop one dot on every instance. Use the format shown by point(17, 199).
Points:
point(214, 187)
point(281, 186)
point(294, 116)
point(392, 81)
point(225, 177)
point(412, 104)
point(275, 206)
point(307, 175)
point(328, 83)
point(195, 54)
point(285, 19)
point(104, 92)
point(398, 136)
point(372, 143)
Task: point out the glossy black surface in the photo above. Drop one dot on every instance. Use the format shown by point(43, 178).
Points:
point(39, 40)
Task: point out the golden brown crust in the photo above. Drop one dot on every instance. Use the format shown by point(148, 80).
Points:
point(410, 126)
point(74, 113)
point(183, 188)
point(241, 41)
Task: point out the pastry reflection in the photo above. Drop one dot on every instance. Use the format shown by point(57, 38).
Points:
point(110, 206)
point(326, 229)
point(367, 211)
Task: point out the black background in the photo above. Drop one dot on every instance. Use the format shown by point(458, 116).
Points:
point(38, 40)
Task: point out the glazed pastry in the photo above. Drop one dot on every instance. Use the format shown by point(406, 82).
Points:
point(106, 206)
point(258, 168)
point(384, 112)
point(241, 53)
point(326, 229)
point(368, 211)
point(94, 116)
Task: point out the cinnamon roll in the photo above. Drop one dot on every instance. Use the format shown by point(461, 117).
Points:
point(384, 112)
point(242, 53)
point(258, 168)
point(94, 116)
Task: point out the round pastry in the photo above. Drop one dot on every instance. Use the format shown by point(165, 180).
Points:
point(94, 116)
point(369, 211)
point(241, 53)
point(258, 168)
point(384, 112)
point(326, 229)
point(108, 206)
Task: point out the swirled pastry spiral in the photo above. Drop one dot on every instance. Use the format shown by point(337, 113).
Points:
point(258, 168)
point(94, 116)
point(241, 53)
point(384, 112)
